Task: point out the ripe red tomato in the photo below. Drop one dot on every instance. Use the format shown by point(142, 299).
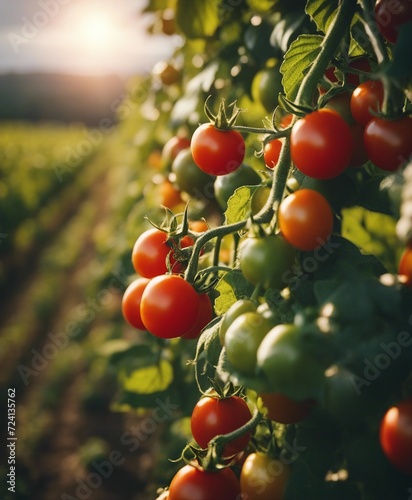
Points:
point(169, 307)
point(388, 143)
point(215, 151)
point(150, 253)
point(305, 219)
point(396, 435)
point(205, 317)
point(285, 410)
point(271, 152)
point(321, 144)
point(405, 265)
point(213, 416)
point(263, 477)
point(390, 15)
point(367, 97)
point(131, 302)
point(191, 483)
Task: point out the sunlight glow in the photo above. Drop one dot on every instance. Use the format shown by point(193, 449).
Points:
point(97, 30)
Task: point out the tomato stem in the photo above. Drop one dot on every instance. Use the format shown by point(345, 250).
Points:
point(218, 443)
point(329, 45)
point(371, 28)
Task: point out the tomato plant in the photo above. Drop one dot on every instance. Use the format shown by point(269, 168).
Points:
point(131, 302)
point(191, 483)
point(301, 266)
point(305, 219)
point(388, 142)
point(263, 477)
point(321, 144)
point(396, 435)
point(366, 100)
point(213, 416)
point(216, 151)
point(169, 306)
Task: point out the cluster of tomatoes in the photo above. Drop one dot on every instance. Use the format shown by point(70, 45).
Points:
point(159, 301)
point(262, 475)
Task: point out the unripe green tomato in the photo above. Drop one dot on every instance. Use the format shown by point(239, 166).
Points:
point(266, 261)
point(266, 86)
point(239, 307)
point(190, 178)
point(226, 185)
point(243, 338)
point(288, 367)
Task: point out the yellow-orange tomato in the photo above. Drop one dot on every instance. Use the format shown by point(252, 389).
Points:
point(169, 196)
point(263, 477)
point(405, 266)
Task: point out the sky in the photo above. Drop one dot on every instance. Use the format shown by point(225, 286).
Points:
point(78, 36)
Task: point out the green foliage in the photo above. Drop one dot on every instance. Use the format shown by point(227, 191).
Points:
point(322, 12)
point(301, 54)
point(197, 19)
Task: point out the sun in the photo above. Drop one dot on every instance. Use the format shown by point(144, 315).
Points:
point(96, 30)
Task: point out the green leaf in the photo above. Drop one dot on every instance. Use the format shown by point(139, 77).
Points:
point(322, 12)
point(239, 204)
point(208, 351)
point(197, 18)
point(149, 379)
point(301, 54)
point(374, 233)
point(231, 287)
